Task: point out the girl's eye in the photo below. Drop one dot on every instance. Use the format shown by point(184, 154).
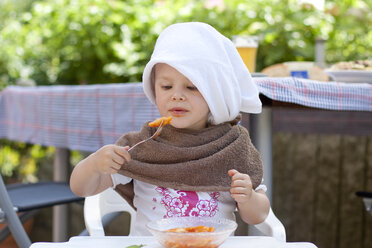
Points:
point(192, 88)
point(166, 87)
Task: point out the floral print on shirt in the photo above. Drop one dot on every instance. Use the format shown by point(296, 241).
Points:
point(187, 203)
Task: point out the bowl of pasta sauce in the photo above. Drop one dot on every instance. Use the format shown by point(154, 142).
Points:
point(192, 232)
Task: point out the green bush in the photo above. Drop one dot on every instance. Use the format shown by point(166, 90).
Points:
point(19, 161)
point(83, 42)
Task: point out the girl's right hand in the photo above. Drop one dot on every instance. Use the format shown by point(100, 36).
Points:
point(109, 158)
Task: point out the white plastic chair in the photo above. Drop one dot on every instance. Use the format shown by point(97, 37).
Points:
point(272, 227)
point(109, 201)
point(104, 203)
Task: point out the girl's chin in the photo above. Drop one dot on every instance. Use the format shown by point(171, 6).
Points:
point(183, 126)
point(176, 125)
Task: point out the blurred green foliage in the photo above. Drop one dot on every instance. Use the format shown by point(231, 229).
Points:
point(84, 41)
point(19, 161)
point(108, 41)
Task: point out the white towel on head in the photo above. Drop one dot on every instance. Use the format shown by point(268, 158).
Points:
point(212, 63)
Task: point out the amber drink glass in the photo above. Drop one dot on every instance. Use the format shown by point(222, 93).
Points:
point(247, 47)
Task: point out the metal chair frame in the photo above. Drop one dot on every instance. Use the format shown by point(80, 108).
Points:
point(27, 199)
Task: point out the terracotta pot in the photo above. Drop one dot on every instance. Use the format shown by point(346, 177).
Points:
point(9, 242)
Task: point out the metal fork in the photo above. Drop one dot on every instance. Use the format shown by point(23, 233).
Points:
point(156, 134)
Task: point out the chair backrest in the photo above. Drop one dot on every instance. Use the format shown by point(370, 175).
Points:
point(99, 205)
point(108, 201)
point(8, 213)
point(272, 227)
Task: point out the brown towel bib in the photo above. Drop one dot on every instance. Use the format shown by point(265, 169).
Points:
point(194, 160)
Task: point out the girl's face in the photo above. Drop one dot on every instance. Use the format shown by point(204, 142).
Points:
point(175, 95)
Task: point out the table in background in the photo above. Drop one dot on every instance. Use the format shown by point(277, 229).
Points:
point(150, 242)
point(87, 117)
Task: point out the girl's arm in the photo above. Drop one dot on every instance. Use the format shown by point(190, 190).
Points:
point(93, 174)
point(253, 206)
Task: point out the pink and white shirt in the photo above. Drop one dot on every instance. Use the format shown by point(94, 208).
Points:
point(153, 202)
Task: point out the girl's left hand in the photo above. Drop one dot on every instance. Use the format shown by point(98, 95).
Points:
point(241, 186)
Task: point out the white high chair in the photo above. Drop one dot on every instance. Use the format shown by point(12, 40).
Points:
point(109, 201)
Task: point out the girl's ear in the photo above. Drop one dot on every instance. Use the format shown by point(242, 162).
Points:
point(210, 120)
point(152, 78)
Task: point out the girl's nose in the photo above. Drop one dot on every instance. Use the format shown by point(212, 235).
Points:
point(178, 97)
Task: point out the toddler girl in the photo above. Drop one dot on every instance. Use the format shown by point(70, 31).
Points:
point(202, 164)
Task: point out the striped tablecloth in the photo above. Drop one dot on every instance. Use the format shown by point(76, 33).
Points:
point(88, 117)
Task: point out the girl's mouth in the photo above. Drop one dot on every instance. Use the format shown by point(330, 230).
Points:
point(178, 111)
